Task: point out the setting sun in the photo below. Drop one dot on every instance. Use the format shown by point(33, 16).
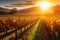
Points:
point(44, 5)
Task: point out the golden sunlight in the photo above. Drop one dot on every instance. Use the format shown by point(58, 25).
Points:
point(44, 5)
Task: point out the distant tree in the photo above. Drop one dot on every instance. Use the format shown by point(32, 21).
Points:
point(3, 12)
point(13, 11)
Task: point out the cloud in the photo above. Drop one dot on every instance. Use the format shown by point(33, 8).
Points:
point(21, 4)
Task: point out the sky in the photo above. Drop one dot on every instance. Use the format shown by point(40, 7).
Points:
point(9, 2)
